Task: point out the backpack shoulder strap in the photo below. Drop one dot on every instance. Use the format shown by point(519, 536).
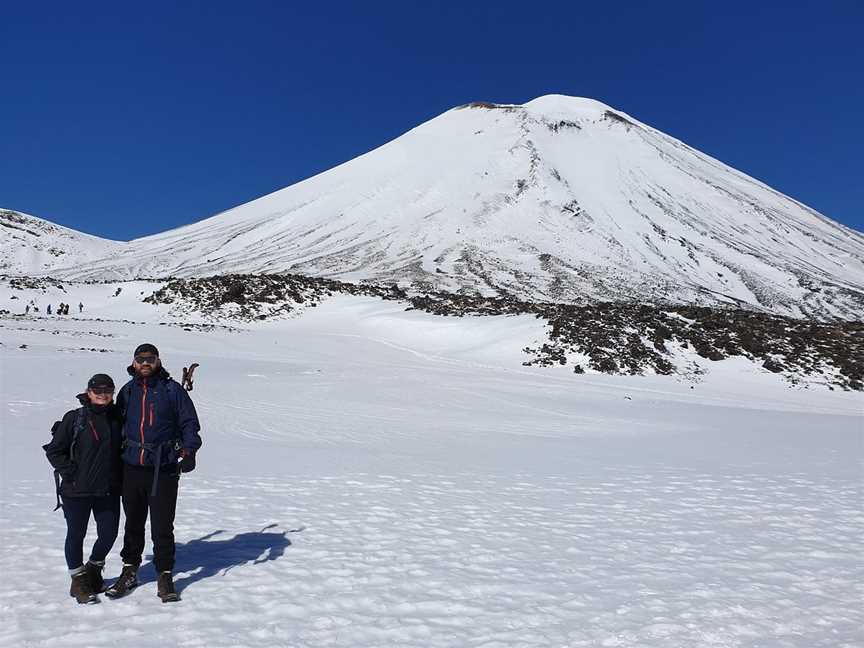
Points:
point(77, 428)
point(172, 387)
point(125, 391)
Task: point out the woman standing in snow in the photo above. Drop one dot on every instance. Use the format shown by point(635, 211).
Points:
point(86, 453)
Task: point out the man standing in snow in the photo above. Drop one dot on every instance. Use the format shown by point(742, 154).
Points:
point(160, 427)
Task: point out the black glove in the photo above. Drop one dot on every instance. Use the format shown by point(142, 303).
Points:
point(187, 460)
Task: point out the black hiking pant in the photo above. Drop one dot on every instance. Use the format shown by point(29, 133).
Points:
point(137, 482)
point(77, 510)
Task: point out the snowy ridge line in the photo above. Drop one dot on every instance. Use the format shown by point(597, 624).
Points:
point(610, 338)
point(31, 245)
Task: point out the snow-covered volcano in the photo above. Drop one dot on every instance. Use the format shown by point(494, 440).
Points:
point(31, 245)
point(559, 199)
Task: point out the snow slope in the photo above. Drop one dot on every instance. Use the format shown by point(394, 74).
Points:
point(31, 245)
point(559, 199)
point(375, 477)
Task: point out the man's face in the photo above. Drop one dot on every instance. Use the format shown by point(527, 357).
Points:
point(145, 364)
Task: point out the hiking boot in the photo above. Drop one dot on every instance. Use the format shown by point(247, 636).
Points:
point(126, 583)
point(165, 588)
point(94, 575)
point(80, 588)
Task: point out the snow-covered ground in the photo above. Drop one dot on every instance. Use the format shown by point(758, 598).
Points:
point(365, 482)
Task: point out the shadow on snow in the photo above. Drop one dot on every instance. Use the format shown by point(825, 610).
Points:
point(205, 558)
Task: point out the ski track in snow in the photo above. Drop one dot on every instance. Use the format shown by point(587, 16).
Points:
point(359, 487)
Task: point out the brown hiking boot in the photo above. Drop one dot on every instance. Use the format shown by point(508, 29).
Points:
point(94, 575)
point(165, 588)
point(80, 588)
point(126, 583)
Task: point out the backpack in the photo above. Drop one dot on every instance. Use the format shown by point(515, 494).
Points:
point(77, 427)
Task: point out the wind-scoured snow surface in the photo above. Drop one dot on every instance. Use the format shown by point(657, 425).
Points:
point(375, 477)
point(559, 199)
point(31, 245)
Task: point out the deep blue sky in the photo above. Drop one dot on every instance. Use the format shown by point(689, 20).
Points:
point(123, 119)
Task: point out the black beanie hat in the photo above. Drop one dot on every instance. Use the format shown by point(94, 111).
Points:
point(146, 348)
point(100, 381)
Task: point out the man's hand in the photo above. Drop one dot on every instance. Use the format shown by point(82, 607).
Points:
point(187, 460)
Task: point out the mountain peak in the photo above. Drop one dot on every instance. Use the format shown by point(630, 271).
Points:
point(552, 106)
point(559, 105)
point(560, 199)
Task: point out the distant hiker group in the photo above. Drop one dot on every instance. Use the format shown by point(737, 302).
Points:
point(62, 309)
point(133, 450)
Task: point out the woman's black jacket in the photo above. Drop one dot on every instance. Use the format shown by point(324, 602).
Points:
point(92, 465)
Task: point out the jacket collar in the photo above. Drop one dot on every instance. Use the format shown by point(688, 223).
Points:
point(159, 376)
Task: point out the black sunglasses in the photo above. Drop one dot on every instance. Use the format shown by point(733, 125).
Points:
point(149, 359)
point(102, 391)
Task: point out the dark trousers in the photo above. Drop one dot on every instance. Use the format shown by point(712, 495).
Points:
point(77, 510)
point(137, 482)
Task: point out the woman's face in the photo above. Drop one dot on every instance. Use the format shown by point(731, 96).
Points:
point(100, 395)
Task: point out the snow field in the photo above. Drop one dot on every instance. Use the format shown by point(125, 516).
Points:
point(372, 477)
point(442, 560)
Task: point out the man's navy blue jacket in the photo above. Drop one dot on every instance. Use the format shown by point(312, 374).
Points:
point(160, 420)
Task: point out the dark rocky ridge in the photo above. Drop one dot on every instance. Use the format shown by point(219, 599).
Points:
point(258, 297)
point(616, 338)
point(17, 282)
